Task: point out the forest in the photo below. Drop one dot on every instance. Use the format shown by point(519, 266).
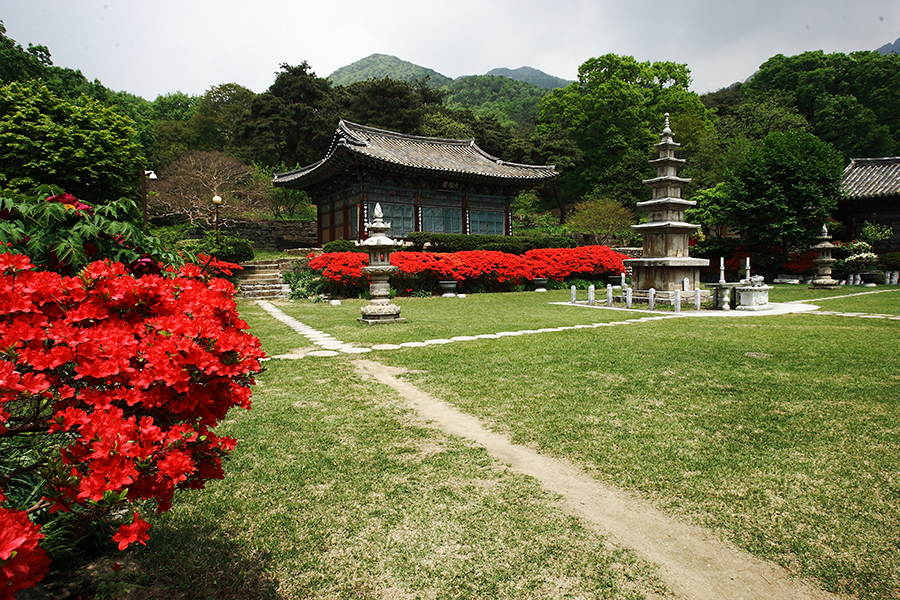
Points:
point(813, 111)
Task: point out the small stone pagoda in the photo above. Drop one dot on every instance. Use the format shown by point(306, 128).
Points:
point(380, 310)
point(666, 265)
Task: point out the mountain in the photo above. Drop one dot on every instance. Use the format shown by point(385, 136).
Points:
point(512, 102)
point(379, 66)
point(888, 48)
point(532, 76)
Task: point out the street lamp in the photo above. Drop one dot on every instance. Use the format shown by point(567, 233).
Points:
point(217, 200)
point(145, 175)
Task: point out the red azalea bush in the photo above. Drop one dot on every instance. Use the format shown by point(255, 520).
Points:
point(125, 379)
point(22, 562)
point(587, 261)
point(473, 268)
point(801, 263)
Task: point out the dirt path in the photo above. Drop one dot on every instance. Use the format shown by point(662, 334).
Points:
point(693, 561)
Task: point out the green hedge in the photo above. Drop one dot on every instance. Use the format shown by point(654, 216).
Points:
point(342, 246)
point(229, 249)
point(890, 261)
point(455, 242)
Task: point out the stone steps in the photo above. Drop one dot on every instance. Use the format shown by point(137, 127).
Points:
point(262, 280)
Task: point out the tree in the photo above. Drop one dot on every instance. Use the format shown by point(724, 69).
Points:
point(81, 146)
point(605, 218)
point(187, 186)
point(613, 114)
point(220, 112)
point(851, 100)
point(710, 211)
point(783, 191)
point(293, 122)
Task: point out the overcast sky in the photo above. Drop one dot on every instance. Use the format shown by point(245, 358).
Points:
point(164, 46)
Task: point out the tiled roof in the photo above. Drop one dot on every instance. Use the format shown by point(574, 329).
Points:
point(872, 178)
point(462, 159)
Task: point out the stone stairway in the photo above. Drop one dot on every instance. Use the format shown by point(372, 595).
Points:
point(262, 280)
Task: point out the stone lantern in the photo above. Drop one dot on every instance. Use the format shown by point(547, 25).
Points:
point(379, 246)
point(823, 263)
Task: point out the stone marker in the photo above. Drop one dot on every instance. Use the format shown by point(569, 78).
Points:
point(609, 294)
point(572, 295)
point(628, 298)
point(697, 293)
point(677, 300)
point(651, 298)
point(590, 295)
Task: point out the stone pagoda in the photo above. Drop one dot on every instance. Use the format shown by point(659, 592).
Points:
point(666, 265)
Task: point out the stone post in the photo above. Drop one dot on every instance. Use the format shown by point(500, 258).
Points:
point(609, 294)
point(677, 300)
point(697, 292)
point(651, 298)
point(628, 298)
point(591, 295)
point(572, 295)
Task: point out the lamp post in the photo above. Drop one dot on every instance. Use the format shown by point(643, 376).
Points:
point(145, 176)
point(217, 200)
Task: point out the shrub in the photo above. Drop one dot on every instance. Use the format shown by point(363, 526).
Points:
point(63, 234)
point(304, 284)
point(228, 249)
point(342, 246)
point(890, 261)
point(111, 386)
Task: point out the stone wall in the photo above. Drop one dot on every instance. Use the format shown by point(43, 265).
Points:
point(275, 236)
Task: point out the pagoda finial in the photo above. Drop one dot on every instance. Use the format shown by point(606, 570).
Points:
point(378, 214)
point(666, 129)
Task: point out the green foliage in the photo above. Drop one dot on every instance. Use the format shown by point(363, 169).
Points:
point(605, 218)
point(389, 103)
point(613, 115)
point(874, 233)
point(783, 191)
point(342, 246)
point(513, 103)
point(293, 121)
point(80, 146)
point(229, 249)
point(285, 203)
point(709, 211)
point(65, 236)
point(890, 261)
point(305, 284)
point(381, 66)
point(453, 242)
point(850, 100)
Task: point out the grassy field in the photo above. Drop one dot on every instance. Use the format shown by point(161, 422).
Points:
point(780, 432)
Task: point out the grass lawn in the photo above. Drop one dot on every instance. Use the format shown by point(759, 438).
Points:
point(336, 492)
point(780, 432)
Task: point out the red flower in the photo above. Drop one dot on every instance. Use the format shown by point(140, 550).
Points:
point(22, 562)
point(135, 532)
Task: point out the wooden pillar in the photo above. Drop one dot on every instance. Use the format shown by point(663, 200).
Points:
point(346, 221)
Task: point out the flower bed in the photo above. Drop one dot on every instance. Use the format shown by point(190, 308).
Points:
point(473, 269)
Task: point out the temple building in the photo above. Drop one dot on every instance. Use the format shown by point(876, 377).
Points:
point(422, 184)
point(871, 189)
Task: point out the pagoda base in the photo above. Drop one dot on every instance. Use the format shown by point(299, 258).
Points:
point(665, 274)
point(380, 314)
